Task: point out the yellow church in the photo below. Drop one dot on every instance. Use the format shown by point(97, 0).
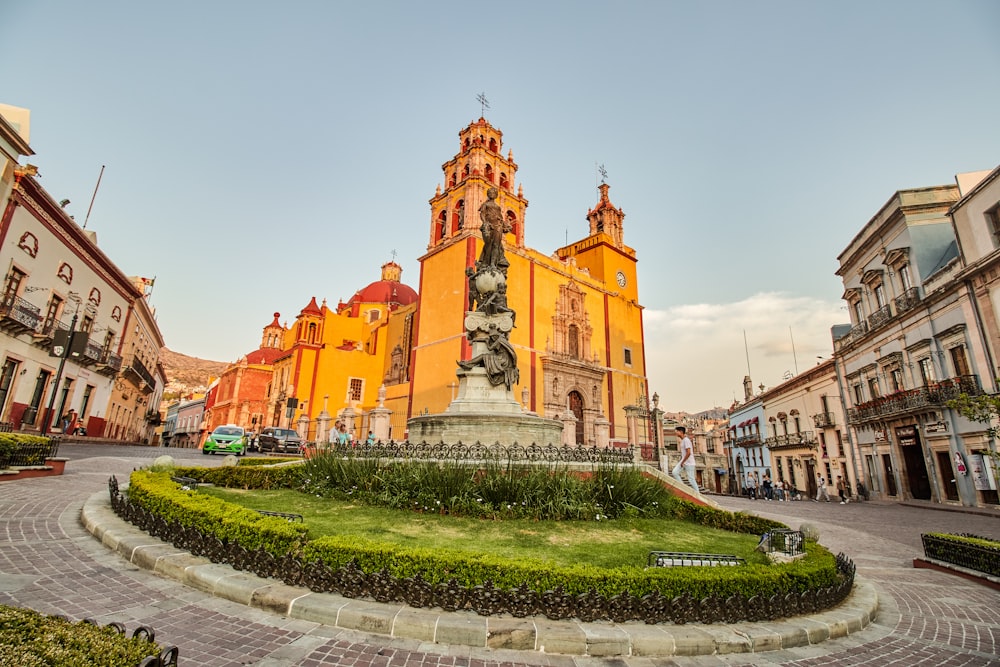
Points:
point(390, 353)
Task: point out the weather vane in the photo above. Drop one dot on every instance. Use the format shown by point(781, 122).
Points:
point(484, 103)
point(603, 172)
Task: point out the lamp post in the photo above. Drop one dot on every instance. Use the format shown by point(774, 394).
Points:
point(63, 354)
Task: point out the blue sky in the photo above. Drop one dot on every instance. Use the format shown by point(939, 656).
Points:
point(258, 154)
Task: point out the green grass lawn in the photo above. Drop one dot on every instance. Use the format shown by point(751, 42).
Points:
point(599, 543)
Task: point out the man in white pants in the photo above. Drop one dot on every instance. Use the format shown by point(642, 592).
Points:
point(687, 459)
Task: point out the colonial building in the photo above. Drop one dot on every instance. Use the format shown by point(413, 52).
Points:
point(914, 344)
point(976, 219)
point(804, 431)
point(240, 396)
point(578, 333)
point(74, 329)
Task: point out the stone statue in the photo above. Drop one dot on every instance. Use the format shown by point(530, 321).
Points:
point(499, 360)
point(493, 228)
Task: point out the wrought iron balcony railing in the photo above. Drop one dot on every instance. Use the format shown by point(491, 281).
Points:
point(824, 420)
point(802, 439)
point(109, 364)
point(18, 315)
point(880, 316)
point(139, 369)
point(934, 395)
point(906, 300)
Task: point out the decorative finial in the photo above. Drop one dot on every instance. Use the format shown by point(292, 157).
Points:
point(483, 102)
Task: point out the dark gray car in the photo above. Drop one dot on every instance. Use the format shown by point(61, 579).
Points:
point(279, 440)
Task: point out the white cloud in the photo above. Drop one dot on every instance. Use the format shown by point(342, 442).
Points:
point(696, 357)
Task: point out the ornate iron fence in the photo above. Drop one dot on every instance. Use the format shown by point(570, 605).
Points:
point(480, 452)
point(486, 599)
point(166, 658)
point(963, 553)
point(28, 454)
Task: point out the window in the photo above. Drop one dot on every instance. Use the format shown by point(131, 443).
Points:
point(798, 426)
point(373, 315)
point(880, 296)
point(959, 361)
point(873, 387)
point(993, 220)
point(859, 314)
point(52, 313)
point(926, 370)
point(628, 357)
point(13, 286)
point(896, 377)
point(573, 341)
point(859, 396)
point(355, 388)
point(88, 324)
point(904, 277)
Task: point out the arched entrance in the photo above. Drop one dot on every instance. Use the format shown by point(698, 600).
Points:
point(576, 407)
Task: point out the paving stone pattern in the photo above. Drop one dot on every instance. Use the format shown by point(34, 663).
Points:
point(48, 562)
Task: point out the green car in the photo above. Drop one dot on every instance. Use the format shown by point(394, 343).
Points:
point(226, 439)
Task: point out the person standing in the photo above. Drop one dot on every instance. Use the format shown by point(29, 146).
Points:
point(842, 490)
point(751, 486)
point(687, 459)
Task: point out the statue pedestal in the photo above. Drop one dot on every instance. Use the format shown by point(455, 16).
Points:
point(484, 413)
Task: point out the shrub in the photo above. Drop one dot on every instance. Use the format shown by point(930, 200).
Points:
point(30, 639)
point(158, 494)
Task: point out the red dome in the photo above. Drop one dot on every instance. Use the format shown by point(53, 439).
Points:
point(390, 292)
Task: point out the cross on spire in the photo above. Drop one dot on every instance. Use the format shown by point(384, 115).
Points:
point(393, 253)
point(484, 103)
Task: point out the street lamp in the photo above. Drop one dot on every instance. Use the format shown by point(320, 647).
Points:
point(63, 353)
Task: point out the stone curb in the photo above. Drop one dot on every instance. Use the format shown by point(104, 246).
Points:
point(600, 639)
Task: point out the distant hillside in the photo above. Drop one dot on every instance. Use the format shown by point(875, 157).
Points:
point(190, 372)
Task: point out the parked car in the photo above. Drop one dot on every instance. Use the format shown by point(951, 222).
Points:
point(228, 439)
point(273, 439)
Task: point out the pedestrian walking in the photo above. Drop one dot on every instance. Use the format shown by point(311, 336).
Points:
point(821, 493)
point(751, 486)
point(767, 487)
point(842, 491)
point(687, 459)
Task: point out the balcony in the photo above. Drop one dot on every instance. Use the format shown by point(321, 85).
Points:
point(45, 334)
point(17, 316)
point(824, 420)
point(880, 317)
point(906, 300)
point(789, 440)
point(139, 370)
point(91, 354)
point(748, 440)
point(109, 364)
point(899, 403)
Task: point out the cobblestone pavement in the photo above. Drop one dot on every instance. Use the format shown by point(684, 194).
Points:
point(48, 562)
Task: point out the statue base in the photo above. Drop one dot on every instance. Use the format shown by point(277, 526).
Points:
point(484, 413)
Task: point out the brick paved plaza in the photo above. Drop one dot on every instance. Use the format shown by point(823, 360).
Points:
point(48, 562)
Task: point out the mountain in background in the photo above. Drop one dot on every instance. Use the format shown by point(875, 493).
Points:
point(185, 374)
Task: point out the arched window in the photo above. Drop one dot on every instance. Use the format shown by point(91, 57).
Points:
point(465, 171)
point(441, 225)
point(573, 341)
point(493, 145)
point(489, 173)
point(512, 223)
point(453, 180)
point(576, 407)
point(504, 183)
point(466, 145)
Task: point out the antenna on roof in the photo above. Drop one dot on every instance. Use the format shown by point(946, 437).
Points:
point(93, 197)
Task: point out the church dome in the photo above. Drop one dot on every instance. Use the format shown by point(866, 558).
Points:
point(389, 290)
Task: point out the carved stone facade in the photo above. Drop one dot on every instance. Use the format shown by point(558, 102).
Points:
point(573, 376)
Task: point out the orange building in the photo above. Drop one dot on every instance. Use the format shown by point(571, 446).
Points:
point(578, 335)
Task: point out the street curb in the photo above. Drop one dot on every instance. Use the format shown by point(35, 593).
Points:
point(464, 628)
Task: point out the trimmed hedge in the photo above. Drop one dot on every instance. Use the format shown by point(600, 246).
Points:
point(211, 516)
point(972, 551)
point(157, 493)
point(30, 639)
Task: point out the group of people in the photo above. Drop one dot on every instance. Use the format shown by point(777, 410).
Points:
point(766, 489)
point(341, 436)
